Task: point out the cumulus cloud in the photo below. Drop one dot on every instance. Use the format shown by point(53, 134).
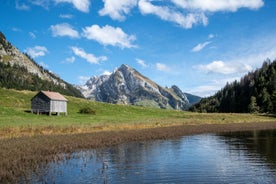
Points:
point(81, 5)
point(220, 5)
point(200, 46)
point(224, 67)
point(162, 67)
point(106, 72)
point(142, 63)
point(64, 29)
point(184, 13)
point(36, 51)
point(88, 56)
point(117, 10)
point(168, 14)
point(108, 35)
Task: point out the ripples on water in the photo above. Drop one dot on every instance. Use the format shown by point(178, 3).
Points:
point(245, 157)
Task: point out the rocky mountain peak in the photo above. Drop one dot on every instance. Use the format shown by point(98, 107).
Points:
point(127, 86)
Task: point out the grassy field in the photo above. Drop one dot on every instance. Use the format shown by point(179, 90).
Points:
point(16, 119)
point(28, 141)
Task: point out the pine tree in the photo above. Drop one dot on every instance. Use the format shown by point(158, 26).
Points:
point(253, 107)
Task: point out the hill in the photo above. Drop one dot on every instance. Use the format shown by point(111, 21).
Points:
point(20, 71)
point(127, 86)
point(255, 92)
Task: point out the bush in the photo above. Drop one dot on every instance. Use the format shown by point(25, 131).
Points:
point(87, 110)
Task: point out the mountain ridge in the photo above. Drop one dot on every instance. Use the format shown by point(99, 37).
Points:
point(20, 71)
point(127, 86)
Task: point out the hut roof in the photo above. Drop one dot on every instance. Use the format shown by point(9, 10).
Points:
point(54, 95)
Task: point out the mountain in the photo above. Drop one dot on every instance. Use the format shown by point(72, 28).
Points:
point(193, 99)
point(20, 71)
point(255, 92)
point(127, 86)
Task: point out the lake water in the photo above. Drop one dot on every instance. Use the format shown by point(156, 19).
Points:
point(243, 157)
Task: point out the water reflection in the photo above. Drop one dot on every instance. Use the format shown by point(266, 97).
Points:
point(243, 157)
point(262, 143)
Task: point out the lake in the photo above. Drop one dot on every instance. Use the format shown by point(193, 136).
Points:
point(240, 157)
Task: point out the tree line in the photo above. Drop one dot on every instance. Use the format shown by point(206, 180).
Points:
point(17, 77)
point(254, 93)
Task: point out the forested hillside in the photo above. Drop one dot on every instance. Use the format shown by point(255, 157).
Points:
point(255, 92)
point(20, 71)
point(18, 77)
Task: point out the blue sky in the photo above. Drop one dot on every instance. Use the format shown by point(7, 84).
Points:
point(197, 45)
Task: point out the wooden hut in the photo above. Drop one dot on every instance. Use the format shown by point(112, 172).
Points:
point(49, 102)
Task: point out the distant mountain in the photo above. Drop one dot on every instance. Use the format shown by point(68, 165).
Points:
point(193, 99)
point(19, 71)
point(255, 92)
point(127, 86)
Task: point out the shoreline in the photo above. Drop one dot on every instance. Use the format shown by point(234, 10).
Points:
point(20, 156)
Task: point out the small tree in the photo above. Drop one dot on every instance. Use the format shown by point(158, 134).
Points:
point(253, 106)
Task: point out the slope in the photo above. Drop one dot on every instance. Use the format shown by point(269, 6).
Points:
point(19, 71)
point(255, 92)
point(127, 86)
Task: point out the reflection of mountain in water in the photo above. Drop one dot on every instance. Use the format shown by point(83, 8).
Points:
point(254, 142)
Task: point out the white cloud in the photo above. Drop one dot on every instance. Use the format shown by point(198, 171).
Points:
point(142, 63)
point(88, 56)
point(15, 29)
point(219, 5)
point(64, 29)
point(168, 14)
point(43, 64)
point(224, 67)
point(162, 67)
point(36, 51)
point(117, 9)
point(32, 35)
point(255, 58)
point(106, 72)
point(43, 3)
point(108, 35)
point(200, 46)
point(21, 6)
point(66, 16)
point(211, 87)
point(70, 59)
point(210, 36)
point(81, 5)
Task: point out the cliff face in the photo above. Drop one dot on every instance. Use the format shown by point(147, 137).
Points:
point(127, 86)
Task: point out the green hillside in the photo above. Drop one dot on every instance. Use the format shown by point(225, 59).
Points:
point(16, 119)
point(254, 93)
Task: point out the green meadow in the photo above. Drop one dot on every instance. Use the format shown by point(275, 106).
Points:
point(16, 119)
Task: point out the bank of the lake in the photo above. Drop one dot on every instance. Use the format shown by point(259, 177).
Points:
point(22, 155)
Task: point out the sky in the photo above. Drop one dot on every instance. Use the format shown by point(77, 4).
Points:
point(198, 45)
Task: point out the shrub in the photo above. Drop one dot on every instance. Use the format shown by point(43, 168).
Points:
point(87, 110)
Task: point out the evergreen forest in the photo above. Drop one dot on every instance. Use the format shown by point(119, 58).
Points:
point(18, 77)
point(254, 93)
